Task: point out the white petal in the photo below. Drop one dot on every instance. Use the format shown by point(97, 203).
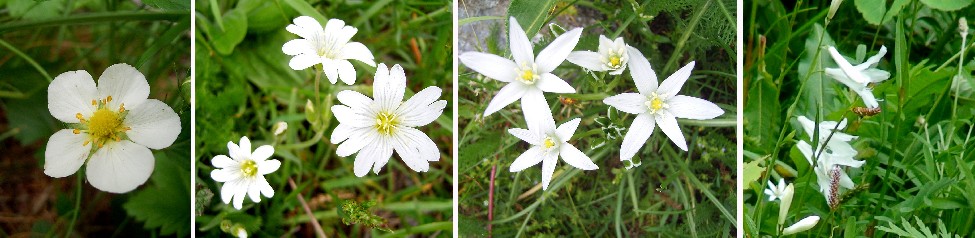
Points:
point(873, 60)
point(297, 47)
point(632, 103)
point(245, 149)
point(403, 143)
point(379, 152)
point(637, 135)
point(548, 168)
point(303, 61)
point(347, 115)
point(357, 51)
point(353, 99)
point(346, 71)
point(538, 114)
point(120, 167)
point(154, 124)
point(587, 59)
point(553, 54)
point(306, 27)
point(643, 75)
point(334, 26)
point(847, 68)
point(262, 153)
point(225, 175)
point(427, 148)
point(803, 225)
point(806, 150)
point(526, 135)
point(521, 48)
point(572, 156)
point(507, 95)
point(228, 190)
point(422, 108)
point(566, 130)
point(266, 188)
point(668, 124)
point(331, 69)
point(240, 192)
point(356, 142)
point(222, 161)
point(341, 132)
point(672, 84)
point(553, 84)
point(389, 86)
point(868, 99)
point(254, 191)
point(65, 153)
point(530, 158)
point(693, 108)
point(876, 75)
point(489, 65)
point(125, 84)
point(268, 166)
point(71, 93)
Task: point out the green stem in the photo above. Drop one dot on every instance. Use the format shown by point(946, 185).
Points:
point(81, 19)
point(683, 39)
point(26, 58)
point(77, 204)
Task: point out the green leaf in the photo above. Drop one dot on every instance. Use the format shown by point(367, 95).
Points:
point(876, 12)
point(751, 172)
point(531, 14)
point(947, 5)
point(169, 4)
point(470, 227)
point(35, 10)
point(235, 28)
point(164, 203)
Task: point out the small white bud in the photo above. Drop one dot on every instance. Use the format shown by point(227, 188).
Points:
point(786, 202)
point(833, 6)
point(280, 127)
point(803, 225)
point(963, 26)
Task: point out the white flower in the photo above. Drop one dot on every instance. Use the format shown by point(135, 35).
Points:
point(775, 192)
point(613, 56)
point(838, 152)
point(374, 128)
point(658, 106)
point(547, 144)
point(857, 78)
point(112, 126)
point(803, 225)
point(329, 46)
point(243, 172)
point(527, 76)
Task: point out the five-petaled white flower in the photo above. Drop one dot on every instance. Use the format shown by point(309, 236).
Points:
point(243, 172)
point(613, 56)
point(374, 128)
point(329, 46)
point(112, 126)
point(658, 106)
point(775, 192)
point(831, 154)
point(527, 76)
point(548, 143)
point(858, 78)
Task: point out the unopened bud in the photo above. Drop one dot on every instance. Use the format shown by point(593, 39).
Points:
point(279, 127)
point(963, 26)
point(803, 225)
point(833, 6)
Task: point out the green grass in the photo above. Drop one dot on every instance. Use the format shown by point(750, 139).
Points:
point(41, 40)
point(244, 85)
point(918, 149)
point(673, 193)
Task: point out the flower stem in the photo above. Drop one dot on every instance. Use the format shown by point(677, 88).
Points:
point(77, 203)
point(494, 170)
point(311, 217)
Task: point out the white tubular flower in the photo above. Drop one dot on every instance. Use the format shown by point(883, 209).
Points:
point(243, 172)
point(547, 144)
point(112, 126)
point(837, 144)
point(329, 46)
point(775, 192)
point(613, 56)
point(858, 77)
point(785, 201)
point(527, 76)
point(658, 105)
point(376, 127)
point(803, 225)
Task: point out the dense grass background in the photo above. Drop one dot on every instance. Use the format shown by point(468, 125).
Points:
point(244, 86)
point(40, 40)
point(673, 193)
point(918, 151)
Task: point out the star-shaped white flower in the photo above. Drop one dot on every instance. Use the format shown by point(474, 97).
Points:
point(375, 128)
point(548, 143)
point(838, 152)
point(329, 46)
point(243, 172)
point(775, 192)
point(858, 77)
point(527, 76)
point(658, 106)
point(613, 56)
point(112, 126)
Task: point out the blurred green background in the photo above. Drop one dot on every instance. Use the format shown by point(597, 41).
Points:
point(42, 39)
point(244, 85)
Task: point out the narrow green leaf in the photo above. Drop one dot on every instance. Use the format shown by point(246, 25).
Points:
point(531, 14)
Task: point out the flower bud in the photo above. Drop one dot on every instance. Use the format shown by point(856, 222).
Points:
point(279, 127)
point(785, 202)
point(803, 225)
point(963, 26)
point(833, 6)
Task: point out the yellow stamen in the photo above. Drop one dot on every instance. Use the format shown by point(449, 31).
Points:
point(93, 102)
point(614, 61)
point(249, 168)
point(386, 123)
point(549, 143)
point(121, 108)
point(108, 99)
point(76, 131)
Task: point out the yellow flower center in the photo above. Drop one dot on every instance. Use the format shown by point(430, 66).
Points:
point(528, 77)
point(248, 168)
point(614, 61)
point(549, 143)
point(104, 125)
point(386, 123)
point(655, 103)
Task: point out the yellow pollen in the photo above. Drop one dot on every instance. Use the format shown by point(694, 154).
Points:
point(528, 76)
point(614, 61)
point(104, 123)
point(386, 123)
point(656, 104)
point(76, 131)
point(121, 107)
point(549, 143)
point(93, 102)
point(249, 168)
